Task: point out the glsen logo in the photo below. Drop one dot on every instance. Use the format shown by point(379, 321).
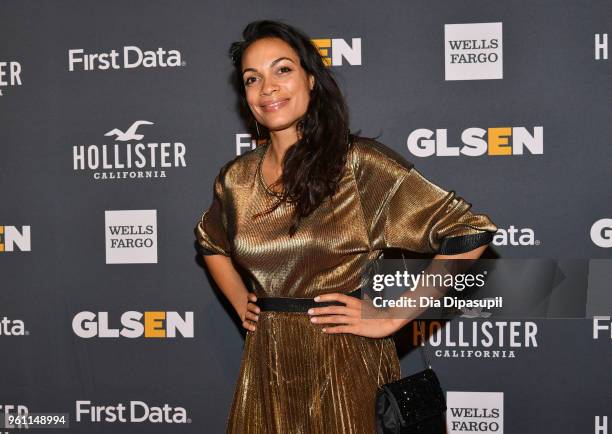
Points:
point(15, 410)
point(473, 51)
point(129, 160)
point(11, 237)
point(602, 324)
point(334, 50)
point(475, 412)
point(150, 324)
point(478, 339)
point(601, 46)
point(10, 74)
point(131, 236)
point(601, 233)
point(137, 411)
point(132, 57)
point(13, 327)
point(513, 236)
point(500, 141)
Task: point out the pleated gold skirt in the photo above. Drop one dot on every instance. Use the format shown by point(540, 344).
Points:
point(295, 379)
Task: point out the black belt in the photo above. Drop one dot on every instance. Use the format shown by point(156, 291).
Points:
point(291, 304)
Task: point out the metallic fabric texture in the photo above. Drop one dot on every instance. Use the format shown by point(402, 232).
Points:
point(294, 378)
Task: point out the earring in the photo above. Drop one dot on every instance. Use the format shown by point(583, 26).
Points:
point(257, 127)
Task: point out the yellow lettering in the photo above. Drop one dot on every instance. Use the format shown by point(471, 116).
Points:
point(323, 45)
point(154, 324)
point(498, 141)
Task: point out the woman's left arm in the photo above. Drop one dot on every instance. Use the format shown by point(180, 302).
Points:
point(350, 316)
point(415, 215)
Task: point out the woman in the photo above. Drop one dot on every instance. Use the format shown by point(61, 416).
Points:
point(303, 215)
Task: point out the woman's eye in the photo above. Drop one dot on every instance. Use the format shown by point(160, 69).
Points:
point(282, 69)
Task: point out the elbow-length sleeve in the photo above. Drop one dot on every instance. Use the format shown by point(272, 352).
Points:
point(422, 217)
point(211, 228)
point(405, 210)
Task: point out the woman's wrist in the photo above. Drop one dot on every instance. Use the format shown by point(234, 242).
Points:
point(398, 323)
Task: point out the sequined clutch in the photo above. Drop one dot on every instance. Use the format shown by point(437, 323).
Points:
point(413, 404)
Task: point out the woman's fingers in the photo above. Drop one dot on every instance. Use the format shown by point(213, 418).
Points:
point(252, 312)
point(348, 300)
point(340, 310)
point(333, 319)
point(247, 324)
point(252, 316)
point(253, 308)
point(339, 329)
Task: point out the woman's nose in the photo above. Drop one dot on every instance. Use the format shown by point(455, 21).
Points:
point(268, 86)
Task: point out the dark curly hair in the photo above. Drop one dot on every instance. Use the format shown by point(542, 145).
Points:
point(313, 166)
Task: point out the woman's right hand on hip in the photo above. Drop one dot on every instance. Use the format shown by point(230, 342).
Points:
point(251, 314)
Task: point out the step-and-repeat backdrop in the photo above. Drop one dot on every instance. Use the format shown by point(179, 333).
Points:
point(115, 116)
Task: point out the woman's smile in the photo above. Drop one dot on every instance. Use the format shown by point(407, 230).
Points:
point(273, 106)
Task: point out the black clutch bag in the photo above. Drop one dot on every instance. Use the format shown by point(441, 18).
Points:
point(413, 404)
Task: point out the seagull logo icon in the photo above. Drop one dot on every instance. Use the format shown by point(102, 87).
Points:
point(130, 133)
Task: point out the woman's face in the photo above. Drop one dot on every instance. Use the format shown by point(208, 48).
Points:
point(277, 87)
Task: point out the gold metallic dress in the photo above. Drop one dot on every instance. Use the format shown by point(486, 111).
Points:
point(293, 378)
